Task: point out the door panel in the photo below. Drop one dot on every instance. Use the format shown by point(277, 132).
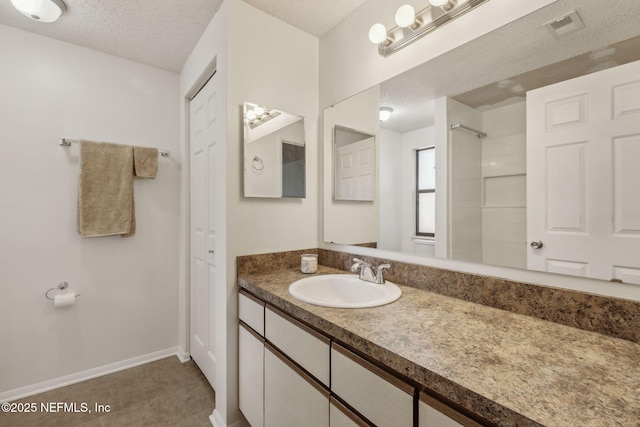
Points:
point(583, 197)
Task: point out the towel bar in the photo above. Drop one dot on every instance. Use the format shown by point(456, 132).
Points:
point(66, 142)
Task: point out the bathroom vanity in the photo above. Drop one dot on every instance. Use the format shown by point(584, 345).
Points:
point(424, 360)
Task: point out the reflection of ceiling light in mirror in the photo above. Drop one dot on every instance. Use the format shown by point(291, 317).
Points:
point(385, 113)
point(405, 16)
point(40, 10)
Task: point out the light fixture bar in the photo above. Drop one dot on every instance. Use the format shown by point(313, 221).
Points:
point(387, 48)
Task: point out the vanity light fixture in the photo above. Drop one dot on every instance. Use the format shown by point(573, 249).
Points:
point(385, 113)
point(410, 26)
point(40, 10)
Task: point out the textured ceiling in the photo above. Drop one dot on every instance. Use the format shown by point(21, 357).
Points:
point(162, 33)
point(313, 16)
point(517, 48)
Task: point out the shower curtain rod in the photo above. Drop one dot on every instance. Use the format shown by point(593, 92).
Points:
point(66, 142)
point(478, 133)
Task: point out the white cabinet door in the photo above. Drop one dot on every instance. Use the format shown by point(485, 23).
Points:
point(381, 398)
point(291, 397)
point(433, 413)
point(583, 197)
point(251, 375)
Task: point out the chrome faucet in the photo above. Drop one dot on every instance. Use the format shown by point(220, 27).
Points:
point(367, 273)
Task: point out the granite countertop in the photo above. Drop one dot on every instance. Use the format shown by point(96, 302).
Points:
point(510, 369)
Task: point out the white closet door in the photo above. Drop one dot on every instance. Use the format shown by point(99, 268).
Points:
point(583, 197)
point(204, 149)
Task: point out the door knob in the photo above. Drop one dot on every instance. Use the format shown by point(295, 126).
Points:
point(537, 244)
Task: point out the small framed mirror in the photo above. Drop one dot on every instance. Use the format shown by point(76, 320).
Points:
point(354, 160)
point(274, 153)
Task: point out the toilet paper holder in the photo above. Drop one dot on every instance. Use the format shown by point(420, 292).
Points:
point(61, 286)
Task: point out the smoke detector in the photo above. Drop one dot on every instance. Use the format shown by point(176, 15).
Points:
point(567, 24)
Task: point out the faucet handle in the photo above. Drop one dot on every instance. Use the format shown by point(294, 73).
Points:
point(379, 276)
point(358, 264)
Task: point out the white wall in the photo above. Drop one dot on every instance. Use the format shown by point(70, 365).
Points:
point(288, 69)
point(504, 192)
point(129, 286)
point(391, 189)
point(465, 155)
point(347, 221)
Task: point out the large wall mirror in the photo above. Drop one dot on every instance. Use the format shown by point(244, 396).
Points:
point(518, 149)
point(274, 153)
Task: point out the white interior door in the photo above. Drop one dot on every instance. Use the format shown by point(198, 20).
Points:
point(355, 171)
point(583, 179)
point(203, 255)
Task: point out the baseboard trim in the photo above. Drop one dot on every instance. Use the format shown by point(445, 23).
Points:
point(183, 355)
point(88, 374)
point(216, 419)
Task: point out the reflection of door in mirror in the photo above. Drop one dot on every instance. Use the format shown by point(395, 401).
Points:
point(293, 170)
point(355, 170)
point(582, 160)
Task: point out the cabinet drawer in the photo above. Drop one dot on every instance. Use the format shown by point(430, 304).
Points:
point(251, 311)
point(433, 413)
point(292, 398)
point(341, 416)
point(380, 397)
point(305, 346)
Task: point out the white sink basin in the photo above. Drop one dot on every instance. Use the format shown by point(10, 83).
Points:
point(343, 291)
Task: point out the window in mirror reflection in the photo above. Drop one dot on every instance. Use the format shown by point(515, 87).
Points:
point(425, 192)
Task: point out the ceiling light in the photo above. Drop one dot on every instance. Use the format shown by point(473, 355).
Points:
point(40, 10)
point(405, 16)
point(419, 24)
point(385, 113)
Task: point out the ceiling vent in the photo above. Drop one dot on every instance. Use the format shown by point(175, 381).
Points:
point(567, 24)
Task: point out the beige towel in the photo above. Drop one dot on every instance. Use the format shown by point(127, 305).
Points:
point(145, 162)
point(105, 190)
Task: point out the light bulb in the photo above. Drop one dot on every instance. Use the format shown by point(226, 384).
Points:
point(385, 113)
point(444, 4)
point(405, 16)
point(251, 115)
point(377, 33)
point(258, 110)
